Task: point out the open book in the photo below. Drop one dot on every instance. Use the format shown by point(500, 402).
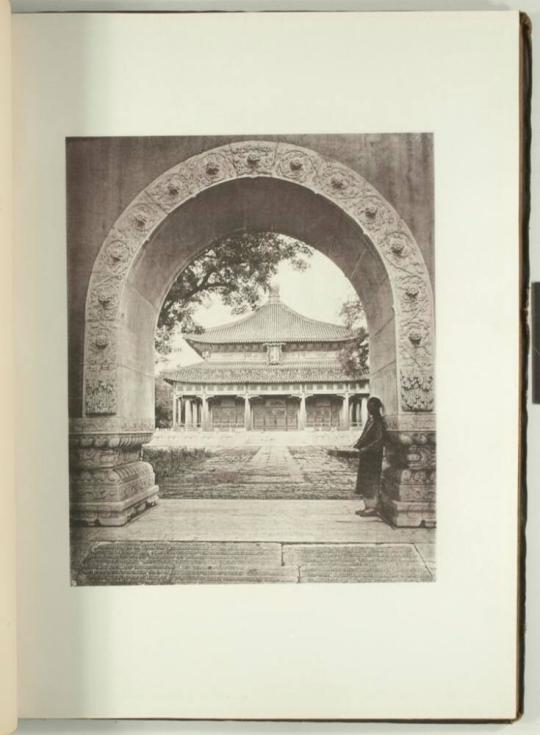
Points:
point(266, 299)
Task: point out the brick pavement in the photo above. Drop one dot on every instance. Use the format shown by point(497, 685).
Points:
point(267, 472)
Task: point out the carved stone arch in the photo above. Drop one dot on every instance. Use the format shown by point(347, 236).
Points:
point(346, 189)
point(258, 180)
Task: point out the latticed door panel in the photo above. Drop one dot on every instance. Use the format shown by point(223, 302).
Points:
point(292, 416)
point(227, 414)
point(275, 414)
point(322, 413)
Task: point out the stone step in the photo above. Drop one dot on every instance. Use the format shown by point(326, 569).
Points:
point(258, 491)
point(184, 562)
point(159, 562)
point(357, 562)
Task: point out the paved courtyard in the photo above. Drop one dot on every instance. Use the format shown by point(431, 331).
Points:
point(244, 514)
point(272, 471)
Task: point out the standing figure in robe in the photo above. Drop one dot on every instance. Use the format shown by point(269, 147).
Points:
point(370, 446)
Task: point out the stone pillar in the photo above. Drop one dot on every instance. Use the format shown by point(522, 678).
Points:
point(408, 478)
point(247, 413)
point(345, 412)
point(302, 413)
point(109, 483)
point(187, 413)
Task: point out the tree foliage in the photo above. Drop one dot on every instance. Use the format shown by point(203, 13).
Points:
point(238, 268)
point(354, 355)
point(163, 402)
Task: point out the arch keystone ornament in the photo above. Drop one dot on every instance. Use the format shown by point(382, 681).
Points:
point(105, 389)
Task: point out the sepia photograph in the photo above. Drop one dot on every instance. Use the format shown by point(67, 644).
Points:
point(251, 359)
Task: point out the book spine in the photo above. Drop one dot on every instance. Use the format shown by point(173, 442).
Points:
point(8, 698)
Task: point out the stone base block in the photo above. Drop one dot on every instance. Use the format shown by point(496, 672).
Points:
point(410, 492)
point(111, 496)
point(408, 514)
point(113, 513)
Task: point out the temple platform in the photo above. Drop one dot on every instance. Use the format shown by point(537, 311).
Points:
point(212, 439)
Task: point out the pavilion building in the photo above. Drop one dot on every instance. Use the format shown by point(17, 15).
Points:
point(273, 370)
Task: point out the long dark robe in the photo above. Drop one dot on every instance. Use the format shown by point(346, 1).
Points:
point(370, 464)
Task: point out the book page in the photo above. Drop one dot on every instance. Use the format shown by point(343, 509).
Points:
point(97, 637)
point(8, 699)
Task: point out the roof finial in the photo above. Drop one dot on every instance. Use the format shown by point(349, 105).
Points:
point(273, 293)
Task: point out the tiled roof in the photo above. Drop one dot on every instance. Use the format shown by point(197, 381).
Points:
point(215, 372)
point(272, 322)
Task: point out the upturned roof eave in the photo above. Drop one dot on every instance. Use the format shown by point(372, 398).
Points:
point(203, 373)
point(209, 340)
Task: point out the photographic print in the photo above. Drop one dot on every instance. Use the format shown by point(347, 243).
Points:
point(251, 359)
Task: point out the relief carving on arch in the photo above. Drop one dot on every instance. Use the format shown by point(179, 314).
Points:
point(413, 300)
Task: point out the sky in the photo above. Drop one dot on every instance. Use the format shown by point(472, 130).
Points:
point(317, 292)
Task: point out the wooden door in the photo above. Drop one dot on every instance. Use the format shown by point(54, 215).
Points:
point(275, 414)
point(292, 415)
point(322, 414)
point(226, 414)
point(258, 415)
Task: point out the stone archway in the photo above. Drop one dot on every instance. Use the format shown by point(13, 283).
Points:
point(267, 185)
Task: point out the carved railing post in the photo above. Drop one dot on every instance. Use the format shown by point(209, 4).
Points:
point(109, 482)
point(408, 480)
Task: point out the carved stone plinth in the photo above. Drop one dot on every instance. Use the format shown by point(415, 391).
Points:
point(109, 483)
point(408, 481)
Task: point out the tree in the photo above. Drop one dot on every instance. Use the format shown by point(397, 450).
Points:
point(238, 267)
point(164, 397)
point(354, 355)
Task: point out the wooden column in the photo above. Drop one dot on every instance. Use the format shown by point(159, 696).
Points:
point(247, 413)
point(209, 415)
point(345, 412)
point(174, 411)
point(204, 413)
point(302, 412)
point(363, 410)
point(187, 413)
